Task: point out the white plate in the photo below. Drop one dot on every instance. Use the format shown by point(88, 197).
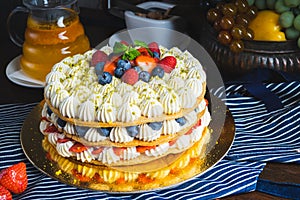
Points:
point(15, 74)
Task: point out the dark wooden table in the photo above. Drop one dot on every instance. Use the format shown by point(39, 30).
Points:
point(99, 25)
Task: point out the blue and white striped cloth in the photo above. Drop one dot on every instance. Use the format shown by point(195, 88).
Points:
point(260, 137)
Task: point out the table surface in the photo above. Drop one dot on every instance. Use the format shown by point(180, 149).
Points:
point(99, 25)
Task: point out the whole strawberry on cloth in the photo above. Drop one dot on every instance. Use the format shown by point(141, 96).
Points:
point(14, 178)
point(5, 194)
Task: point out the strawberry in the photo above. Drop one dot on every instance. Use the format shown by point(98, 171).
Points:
point(168, 63)
point(147, 63)
point(110, 67)
point(153, 46)
point(143, 179)
point(78, 148)
point(97, 151)
point(142, 149)
point(51, 129)
point(63, 140)
point(172, 142)
point(119, 150)
point(98, 56)
point(130, 76)
point(5, 194)
point(14, 178)
point(80, 177)
point(144, 51)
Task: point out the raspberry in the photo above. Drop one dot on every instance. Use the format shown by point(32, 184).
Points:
point(98, 56)
point(130, 76)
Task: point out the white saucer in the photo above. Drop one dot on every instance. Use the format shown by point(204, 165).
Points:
point(15, 74)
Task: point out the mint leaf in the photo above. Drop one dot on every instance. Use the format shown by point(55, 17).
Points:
point(140, 43)
point(119, 47)
point(131, 54)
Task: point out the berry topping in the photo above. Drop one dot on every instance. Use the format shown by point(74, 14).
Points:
point(105, 78)
point(78, 148)
point(98, 56)
point(62, 140)
point(142, 149)
point(156, 55)
point(81, 130)
point(133, 130)
point(130, 76)
point(61, 122)
point(158, 71)
point(119, 150)
point(97, 150)
point(153, 46)
point(137, 68)
point(99, 68)
point(110, 67)
point(145, 52)
point(123, 64)
point(49, 111)
point(119, 71)
point(104, 131)
point(51, 129)
point(14, 178)
point(144, 76)
point(155, 125)
point(181, 121)
point(147, 63)
point(168, 63)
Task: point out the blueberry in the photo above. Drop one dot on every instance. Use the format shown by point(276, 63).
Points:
point(61, 122)
point(123, 64)
point(155, 54)
point(104, 131)
point(155, 125)
point(49, 111)
point(144, 76)
point(99, 68)
point(137, 68)
point(181, 121)
point(81, 130)
point(133, 130)
point(105, 78)
point(158, 71)
point(119, 71)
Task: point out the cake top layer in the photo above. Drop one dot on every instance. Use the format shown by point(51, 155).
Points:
point(125, 83)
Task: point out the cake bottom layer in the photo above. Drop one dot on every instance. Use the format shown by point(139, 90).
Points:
point(187, 165)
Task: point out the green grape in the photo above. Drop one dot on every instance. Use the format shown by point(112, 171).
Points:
point(260, 4)
point(286, 19)
point(296, 22)
point(280, 7)
point(271, 4)
point(250, 2)
point(292, 33)
point(292, 3)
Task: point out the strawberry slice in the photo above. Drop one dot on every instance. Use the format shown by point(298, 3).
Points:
point(144, 179)
point(153, 46)
point(98, 178)
point(51, 129)
point(147, 63)
point(80, 177)
point(172, 142)
point(119, 150)
point(144, 51)
point(5, 194)
point(142, 149)
point(168, 63)
point(78, 148)
point(14, 178)
point(97, 151)
point(110, 67)
point(63, 140)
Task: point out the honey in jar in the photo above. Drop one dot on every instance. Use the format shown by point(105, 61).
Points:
point(51, 36)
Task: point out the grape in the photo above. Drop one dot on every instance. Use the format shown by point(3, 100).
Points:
point(213, 14)
point(291, 3)
point(241, 5)
point(236, 46)
point(229, 9)
point(297, 22)
point(252, 12)
point(227, 22)
point(249, 34)
point(271, 4)
point(250, 2)
point(242, 20)
point(292, 33)
point(280, 7)
point(224, 37)
point(286, 19)
point(260, 4)
point(238, 32)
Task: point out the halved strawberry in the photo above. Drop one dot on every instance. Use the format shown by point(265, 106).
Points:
point(14, 178)
point(5, 194)
point(110, 67)
point(168, 63)
point(147, 63)
point(78, 148)
point(142, 149)
point(153, 46)
point(63, 140)
point(51, 129)
point(98, 150)
point(144, 51)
